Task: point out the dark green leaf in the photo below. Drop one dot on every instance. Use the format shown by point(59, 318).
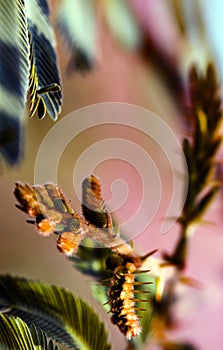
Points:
point(64, 317)
point(206, 200)
point(14, 77)
point(215, 144)
point(188, 152)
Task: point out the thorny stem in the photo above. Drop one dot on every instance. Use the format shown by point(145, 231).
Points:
point(200, 154)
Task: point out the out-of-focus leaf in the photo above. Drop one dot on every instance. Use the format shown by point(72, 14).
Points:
point(100, 294)
point(45, 94)
point(77, 22)
point(64, 317)
point(122, 23)
point(14, 77)
point(92, 260)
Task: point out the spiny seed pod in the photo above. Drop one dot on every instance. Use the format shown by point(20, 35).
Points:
point(122, 300)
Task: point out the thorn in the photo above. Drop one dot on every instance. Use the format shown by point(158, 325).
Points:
point(137, 272)
point(141, 291)
point(144, 257)
point(139, 309)
point(141, 300)
point(106, 303)
point(30, 221)
point(140, 283)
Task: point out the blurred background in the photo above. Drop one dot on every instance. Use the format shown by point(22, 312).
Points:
point(141, 58)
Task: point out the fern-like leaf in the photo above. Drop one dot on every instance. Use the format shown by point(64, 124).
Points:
point(64, 317)
point(16, 335)
point(45, 94)
point(40, 339)
point(14, 77)
point(77, 23)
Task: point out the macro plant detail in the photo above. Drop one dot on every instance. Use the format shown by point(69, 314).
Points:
point(122, 300)
point(138, 291)
point(52, 213)
point(25, 69)
point(141, 292)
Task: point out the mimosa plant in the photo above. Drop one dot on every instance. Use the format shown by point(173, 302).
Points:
point(137, 291)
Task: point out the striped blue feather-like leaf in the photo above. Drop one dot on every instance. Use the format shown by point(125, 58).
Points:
point(77, 23)
point(14, 77)
point(45, 90)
